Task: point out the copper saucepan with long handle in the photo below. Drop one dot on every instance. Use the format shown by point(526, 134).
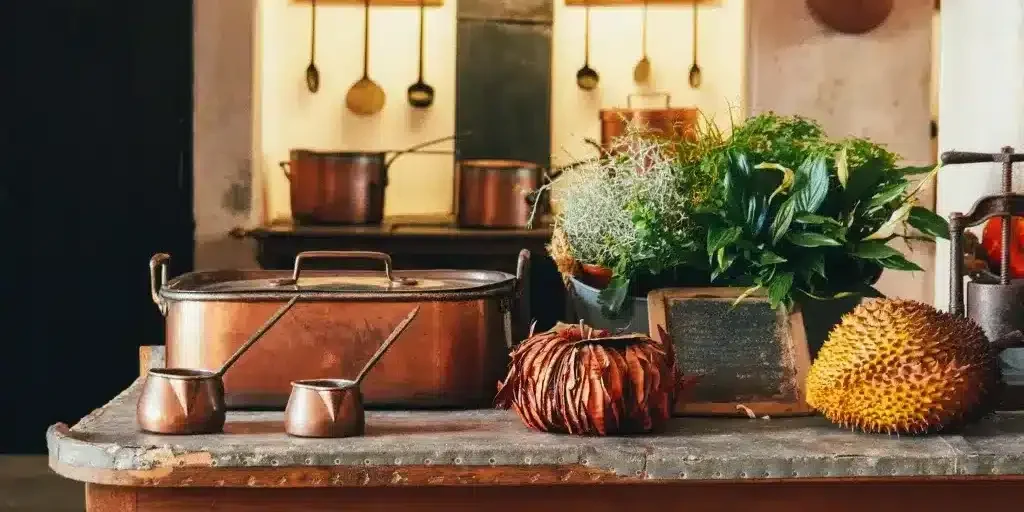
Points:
point(334, 407)
point(191, 401)
point(344, 187)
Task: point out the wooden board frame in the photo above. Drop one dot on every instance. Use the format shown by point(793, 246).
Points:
point(658, 302)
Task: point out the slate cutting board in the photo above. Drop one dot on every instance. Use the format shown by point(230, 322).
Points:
point(749, 356)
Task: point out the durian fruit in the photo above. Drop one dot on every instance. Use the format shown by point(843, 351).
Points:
point(903, 367)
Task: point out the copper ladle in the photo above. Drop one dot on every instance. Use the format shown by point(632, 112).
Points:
point(187, 401)
point(333, 407)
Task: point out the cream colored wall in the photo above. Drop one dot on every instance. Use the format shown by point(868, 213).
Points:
point(291, 117)
point(615, 35)
point(874, 85)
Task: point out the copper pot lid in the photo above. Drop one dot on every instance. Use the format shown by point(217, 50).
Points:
point(338, 284)
point(384, 284)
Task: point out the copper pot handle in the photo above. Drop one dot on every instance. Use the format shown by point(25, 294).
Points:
point(307, 255)
point(158, 261)
point(629, 98)
point(286, 168)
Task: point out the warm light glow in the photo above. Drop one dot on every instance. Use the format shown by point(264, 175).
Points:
point(291, 117)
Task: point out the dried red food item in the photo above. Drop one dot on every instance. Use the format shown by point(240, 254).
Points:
point(579, 380)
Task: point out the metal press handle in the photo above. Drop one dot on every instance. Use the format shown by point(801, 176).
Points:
point(158, 262)
point(970, 157)
point(629, 97)
point(371, 255)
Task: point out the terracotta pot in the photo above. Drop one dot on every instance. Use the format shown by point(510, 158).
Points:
point(595, 275)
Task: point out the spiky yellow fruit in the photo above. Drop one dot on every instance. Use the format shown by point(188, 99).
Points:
point(900, 366)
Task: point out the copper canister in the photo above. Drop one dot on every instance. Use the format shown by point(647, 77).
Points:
point(676, 122)
point(452, 356)
point(492, 193)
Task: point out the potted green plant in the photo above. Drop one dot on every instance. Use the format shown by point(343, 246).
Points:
point(776, 207)
point(626, 226)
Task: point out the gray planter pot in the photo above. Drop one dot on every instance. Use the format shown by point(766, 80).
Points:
point(584, 301)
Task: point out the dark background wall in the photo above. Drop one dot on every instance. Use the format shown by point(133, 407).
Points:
point(99, 177)
point(503, 79)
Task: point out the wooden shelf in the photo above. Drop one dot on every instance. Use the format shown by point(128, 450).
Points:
point(375, 3)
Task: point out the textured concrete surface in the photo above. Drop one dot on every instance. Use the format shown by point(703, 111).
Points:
point(691, 448)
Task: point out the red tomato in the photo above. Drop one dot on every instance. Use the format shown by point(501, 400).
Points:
point(992, 242)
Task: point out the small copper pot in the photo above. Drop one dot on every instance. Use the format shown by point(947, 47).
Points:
point(186, 401)
point(493, 193)
point(333, 407)
point(325, 408)
point(181, 401)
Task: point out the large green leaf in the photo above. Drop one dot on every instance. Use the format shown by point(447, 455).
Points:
point(770, 258)
point(862, 181)
point(809, 239)
point(719, 237)
point(875, 251)
point(898, 262)
point(928, 222)
point(810, 218)
point(889, 227)
point(811, 184)
point(736, 185)
point(779, 287)
point(842, 167)
point(888, 193)
point(783, 218)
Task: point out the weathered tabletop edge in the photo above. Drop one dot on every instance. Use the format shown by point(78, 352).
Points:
point(168, 469)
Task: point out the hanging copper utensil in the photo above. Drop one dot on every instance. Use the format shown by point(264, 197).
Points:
point(642, 70)
point(365, 97)
point(586, 77)
point(334, 407)
point(695, 74)
point(312, 73)
point(420, 94)
point(188, 401)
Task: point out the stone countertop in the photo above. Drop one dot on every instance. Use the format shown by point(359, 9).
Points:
point(492, 446)
point(489, 446)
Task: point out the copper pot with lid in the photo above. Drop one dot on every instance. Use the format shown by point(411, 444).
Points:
point(450, 357)
point(492, 193)
point(342, 187)
point(678, 122)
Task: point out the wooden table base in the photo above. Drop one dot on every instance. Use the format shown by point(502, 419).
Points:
point(764, 496)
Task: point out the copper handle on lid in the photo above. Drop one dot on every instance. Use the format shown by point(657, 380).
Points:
point(158, 261)
point(351, 255)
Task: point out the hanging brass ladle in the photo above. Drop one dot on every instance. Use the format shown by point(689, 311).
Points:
point(187, 401)
point(365, 97)
point(642, 70)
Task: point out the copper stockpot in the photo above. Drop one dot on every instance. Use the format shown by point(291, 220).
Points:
point(341, 187)
point(451, 357)
point(492, 193)
point(679, 122)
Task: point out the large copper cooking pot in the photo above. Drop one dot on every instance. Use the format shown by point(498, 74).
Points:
point(492, 193)
point(341, 187)
point(452, 356)
point(676, 122)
